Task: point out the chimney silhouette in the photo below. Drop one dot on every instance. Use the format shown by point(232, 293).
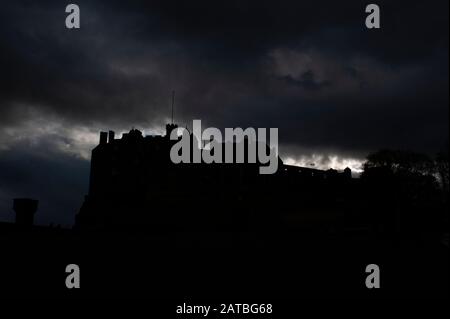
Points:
point(169, 129)
point(103, 137)
point(25, 209)
point(111, 136)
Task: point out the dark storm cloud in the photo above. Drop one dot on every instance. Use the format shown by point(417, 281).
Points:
point(124, 61)
point(310, 68)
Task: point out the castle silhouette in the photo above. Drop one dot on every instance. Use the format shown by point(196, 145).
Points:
point(134, 185)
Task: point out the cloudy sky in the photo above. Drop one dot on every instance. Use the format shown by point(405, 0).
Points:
point(335, 89)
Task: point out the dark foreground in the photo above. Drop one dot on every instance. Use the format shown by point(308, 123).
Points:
point(221, 266)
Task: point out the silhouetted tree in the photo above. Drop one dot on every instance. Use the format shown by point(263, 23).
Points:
point(400, 162)
point(442, 169)
point(403, 189)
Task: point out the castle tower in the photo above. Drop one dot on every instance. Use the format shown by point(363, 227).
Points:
point(25, 209)
point(347, 173)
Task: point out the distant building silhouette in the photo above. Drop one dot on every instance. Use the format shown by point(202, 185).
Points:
point(25, 209)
